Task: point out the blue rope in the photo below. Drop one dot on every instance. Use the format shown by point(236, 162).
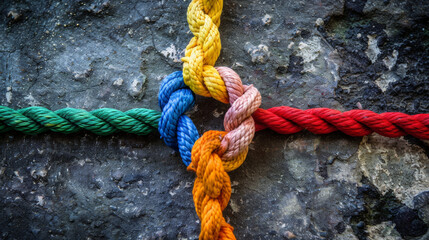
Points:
point(177, 129)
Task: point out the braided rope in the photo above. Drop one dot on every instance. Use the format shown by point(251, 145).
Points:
point(238, 121)
point(177, 129)
point(104, 121)
point(212, 187)
point(287, 120)
point(204, 49)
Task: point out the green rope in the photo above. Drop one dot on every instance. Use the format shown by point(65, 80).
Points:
point(103, 121)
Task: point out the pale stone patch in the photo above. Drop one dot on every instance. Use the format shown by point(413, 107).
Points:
point(172, 53)
point(394, 164)
point(384, 230)
point(385, 79)
point(372, 51)
point(390, 61)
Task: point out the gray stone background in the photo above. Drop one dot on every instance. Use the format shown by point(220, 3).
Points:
point(340, 54)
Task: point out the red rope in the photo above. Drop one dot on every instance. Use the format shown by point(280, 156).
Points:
point(287, 120)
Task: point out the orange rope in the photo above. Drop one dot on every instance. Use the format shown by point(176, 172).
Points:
point(212, 187)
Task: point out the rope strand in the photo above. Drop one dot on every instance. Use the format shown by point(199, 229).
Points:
point(357, 123)
point(104, 121)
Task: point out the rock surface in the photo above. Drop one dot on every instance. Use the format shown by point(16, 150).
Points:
point(89, 54)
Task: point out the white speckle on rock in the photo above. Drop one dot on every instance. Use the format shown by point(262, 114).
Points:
point(310, 49)
point(31, 100)
point(41, 173)
point(131, 32)
point(290, 45)
point(144, 191)
point(9, 94)
point(172, 53)
point(21, 178)
point(319, 22)
point(334, 62)
point(136, 87)
point(237, 64)
point(118, 82)
point(267, 19)
point(182, 185)
point(40, 200)
point(82, 75)
point(390, 61)
point(15, 15)
point(259, 54)
point(234, 206)
point(217, 114)
point(372, 51)
point(81, 162)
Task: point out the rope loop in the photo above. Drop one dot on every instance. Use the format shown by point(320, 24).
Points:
point(177, 129)
point(212, 187)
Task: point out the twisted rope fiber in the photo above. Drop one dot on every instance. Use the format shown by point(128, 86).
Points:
point(231, 147)
point(177, 129)
point(204, 49)
point(222, 83)
point(104, 121)
point(212, 187)
point(288, 120)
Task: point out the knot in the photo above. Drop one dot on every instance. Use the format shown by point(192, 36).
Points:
point(212, 187)
point(238, 121)
point(204, 49)
point(177, 129)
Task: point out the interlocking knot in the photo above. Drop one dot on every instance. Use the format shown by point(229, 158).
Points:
point(177, 129)
point(212, 187)
point(238, 121)
point(216, 153)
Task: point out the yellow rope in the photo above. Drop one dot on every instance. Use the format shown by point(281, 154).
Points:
point(204, 49)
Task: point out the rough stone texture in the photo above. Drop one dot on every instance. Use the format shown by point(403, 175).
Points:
point(89, 54)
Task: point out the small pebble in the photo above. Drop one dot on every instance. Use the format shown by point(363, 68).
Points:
point(289, 235)
point(266, 19)
point(319, 22)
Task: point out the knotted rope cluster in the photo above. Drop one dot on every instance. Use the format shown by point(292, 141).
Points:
point(104, 121)
point(216, 152)
point(287, 120)
point(177, 129)
point(224, 85)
